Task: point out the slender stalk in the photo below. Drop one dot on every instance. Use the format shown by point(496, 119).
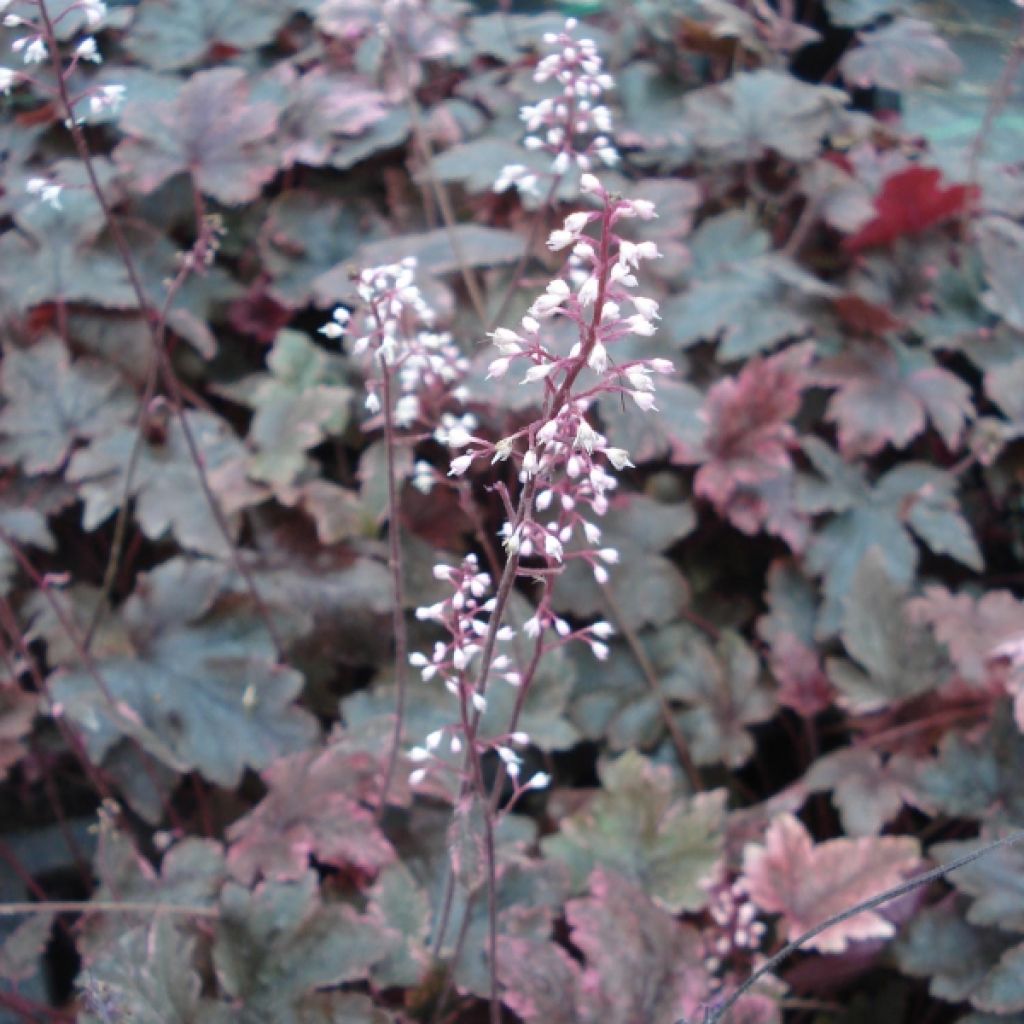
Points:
point(398, 589)
point(717, 1014)
point(104, 907)
point(167, 371)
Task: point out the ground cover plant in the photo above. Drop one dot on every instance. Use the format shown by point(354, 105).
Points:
point(511, 512)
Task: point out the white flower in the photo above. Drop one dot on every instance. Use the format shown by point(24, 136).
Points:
point(35, 52)
point(559, 239)
point(417, 776)
point(618, 457)
point(498, 368)
point(479, 702)
point(460, 465)
point(645, 307)
point(541, 780)
point(588, 291)
point(372, 403)
point(576, 222)
point(645, 400)
point(538, 372)
point(48, 191)
point(590, 184)
point(7, 79)
point(95, 12)
point(87, 50)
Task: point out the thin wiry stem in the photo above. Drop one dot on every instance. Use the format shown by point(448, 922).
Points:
point(716, 1014)
point(397, 589)
point(167, 372)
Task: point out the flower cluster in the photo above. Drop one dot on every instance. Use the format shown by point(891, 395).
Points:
point(572, 127)
point(569, 460)
point(35, 48)
point(735, 930)
point(392, 327)
point(465, 617)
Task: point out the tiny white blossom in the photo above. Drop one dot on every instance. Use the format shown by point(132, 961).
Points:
point(618, 457)
point(87, 50)
point(36, 51)
point(559, 239)
point(7, 79)
point(541, 780)
point(417, 776)
point(460, 465)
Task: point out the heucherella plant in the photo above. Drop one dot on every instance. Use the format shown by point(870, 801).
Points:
point(572, 127)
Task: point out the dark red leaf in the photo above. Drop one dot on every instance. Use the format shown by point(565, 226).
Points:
point(910, 202)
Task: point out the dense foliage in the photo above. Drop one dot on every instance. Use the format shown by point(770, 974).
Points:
point(801, 675)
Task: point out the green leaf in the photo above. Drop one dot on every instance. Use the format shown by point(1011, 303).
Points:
point(399, 904)
point(940, 944)
point(725, 687)
point(995, 883)
point(868, 792)
point(305, 235)
point(913, 496)
point(148, 977)
point(895, 659)
point(277, 943)
point(297, 405)
point(738, 292)
point(754, 112)
point(172, 34)
point(165, 481)
point(900, 54)
point(639, 826)
point(210, 130)
point(199, 681)
point(855, 13)
point(1002, 249)
point(52, 402)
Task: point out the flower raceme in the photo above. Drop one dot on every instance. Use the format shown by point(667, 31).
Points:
point(566, 466)
point(572, 127)
point(392, 329)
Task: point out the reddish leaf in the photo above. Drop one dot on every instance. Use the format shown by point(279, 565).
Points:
point(642, 964)
point(864, 317)
point(972, 628)
point(910, 202)
point(749, 434)
point(887, 395)
point(808, 883)
point(803, 685)
point(312, 810)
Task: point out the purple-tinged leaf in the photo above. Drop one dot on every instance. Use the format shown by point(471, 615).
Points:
point(211, 130)
point(899, 55)
point(312, 810)
point(887, 393)
point(642, 964)
point(807, 882)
